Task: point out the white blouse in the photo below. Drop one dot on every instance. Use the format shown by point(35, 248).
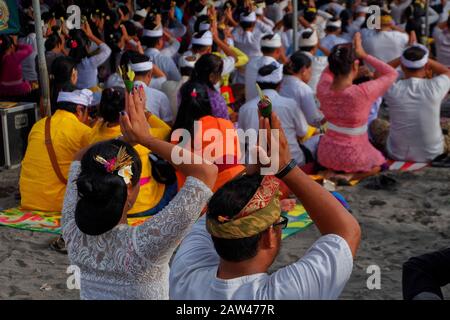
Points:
point(130, 262)
point(87, 68)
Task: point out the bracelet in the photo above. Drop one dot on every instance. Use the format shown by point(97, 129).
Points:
point(283, 172)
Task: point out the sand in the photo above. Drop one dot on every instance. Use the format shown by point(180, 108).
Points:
point(410, 220)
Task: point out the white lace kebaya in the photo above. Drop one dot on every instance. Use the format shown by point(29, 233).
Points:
point(130, 262)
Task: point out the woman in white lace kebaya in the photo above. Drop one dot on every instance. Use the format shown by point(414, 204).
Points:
point(117, 261)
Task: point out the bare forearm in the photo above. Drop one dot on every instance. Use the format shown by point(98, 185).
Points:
point(325, 210)
point(438, 68)
point(225, 48)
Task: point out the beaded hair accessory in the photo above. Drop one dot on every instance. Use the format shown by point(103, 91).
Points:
point(121, 163)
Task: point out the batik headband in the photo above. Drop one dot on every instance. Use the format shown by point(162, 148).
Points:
point(121, 163)
point(262, 211)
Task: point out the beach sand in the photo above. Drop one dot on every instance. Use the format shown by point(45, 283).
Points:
point(410, 220)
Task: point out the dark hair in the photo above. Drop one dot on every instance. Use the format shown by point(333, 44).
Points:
point(297, 62)
point(310, 15)
point(131, 28)
point(103, 194)
point(199, 47)
point(268, 50)
point(201, 19)
point(330, 28)
point(52, 42)
point(79, 39)
point(287, 21)
point(413, 54)
point(61, 71)
point(229, 200)
point(5, 43)
point(111, 104)
point(341, 59)
point(244, 24)
point(345, 17)
point(205, 66)
point(264, 71)
point(307, 35)
point(191, 107)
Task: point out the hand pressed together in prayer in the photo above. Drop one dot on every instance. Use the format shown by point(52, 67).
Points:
point(133, 122)
point(357, 45)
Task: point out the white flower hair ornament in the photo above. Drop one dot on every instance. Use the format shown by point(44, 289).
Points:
point(121, 163)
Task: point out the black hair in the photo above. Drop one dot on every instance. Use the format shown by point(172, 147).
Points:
point(125, 59)
point(310, 15)
point(111, 104)
point(307, 35)
point(205, 66)
point(124, 9)
point(103, 194)
point(264, 71)
point(287, 21)
point(192, 106)
point(5, 43)
point(61, 74)
point(297, 62)
point(78, 43)
point(131, 28)
point(345, 16)
point(201, 19)
point(138, 58)
point(413, 54)
point(268, 50)
point(52, 42)
point(229, 200)
point(341, 59)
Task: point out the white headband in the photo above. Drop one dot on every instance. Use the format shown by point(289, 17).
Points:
point(250, 18)
point(141, 13)
point(276, 76)
point(312, 41)
point(275, 42)
point(141, 66)
point(259, 11)
point(415, 64)
point(336, 24)
point(205, 40)
point(204, 26)
point(204, 12)
point(82, 97)
point(185, 63)
point(156, 33)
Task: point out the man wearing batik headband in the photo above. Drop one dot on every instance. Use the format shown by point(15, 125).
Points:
point(159, 54)
point(334, 35)
point(228, 253)
point(414, 102)
point(156, 102)
point(269, 78)
point(271, 46)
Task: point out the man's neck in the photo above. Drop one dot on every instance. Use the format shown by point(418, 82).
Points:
point(141, 80)
point(231, 270)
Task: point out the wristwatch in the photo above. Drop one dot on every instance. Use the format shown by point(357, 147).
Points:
point(283, 172)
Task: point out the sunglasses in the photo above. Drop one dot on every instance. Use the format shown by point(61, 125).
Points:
point(283, 222)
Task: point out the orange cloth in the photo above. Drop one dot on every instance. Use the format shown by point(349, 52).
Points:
point(40, 188)
point(226, 171)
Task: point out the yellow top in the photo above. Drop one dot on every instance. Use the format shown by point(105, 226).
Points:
point(151, 191)
point(242, 60)
point(40, 188)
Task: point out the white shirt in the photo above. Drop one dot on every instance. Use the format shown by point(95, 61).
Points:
point(292, 120)
point(157, 102)
point(165, 63)
point(29, 71)
point(320, 274)
point(251, 72)
point(87, 68)
point(442, 42)
point(294, 88)
point(397, 10)
point(170, 89)
point(384, 45)
point(249, 42)
point(275, 12)
point(332, 40)
point(414, 110)
point(318, 65)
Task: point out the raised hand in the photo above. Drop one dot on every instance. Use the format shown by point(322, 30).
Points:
point(357, 45)
point(133, 122)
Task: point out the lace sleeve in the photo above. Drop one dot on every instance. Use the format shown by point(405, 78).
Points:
point(157, 238)
point(71, 196)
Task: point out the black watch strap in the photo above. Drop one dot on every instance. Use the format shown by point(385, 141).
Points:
point(283, 172)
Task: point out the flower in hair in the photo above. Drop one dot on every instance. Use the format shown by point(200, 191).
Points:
point(121, 163)
point(223, 219)
point(194, 93)
point(73, 44)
